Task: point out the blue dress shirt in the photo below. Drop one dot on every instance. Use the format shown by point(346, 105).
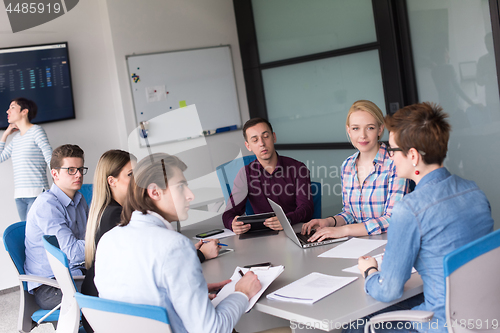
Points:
point(54, 213)
point(442, 214)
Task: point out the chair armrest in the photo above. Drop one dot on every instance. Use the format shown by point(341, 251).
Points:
point(79, 277)
point(39, 279)
point(404, 315)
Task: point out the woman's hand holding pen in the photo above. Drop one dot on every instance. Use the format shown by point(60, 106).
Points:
point(209, 247)
point(249, 284)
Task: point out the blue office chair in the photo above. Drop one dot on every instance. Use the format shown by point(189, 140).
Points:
point(227, 174)
point(30, 314)
point(69, 315)
point(472, 287)
point(86, 191)
point(112, 316)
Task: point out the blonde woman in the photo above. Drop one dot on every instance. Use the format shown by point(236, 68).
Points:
point(370, 186)
point(111, 179)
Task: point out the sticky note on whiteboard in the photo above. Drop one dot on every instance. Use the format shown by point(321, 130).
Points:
point(182, 104)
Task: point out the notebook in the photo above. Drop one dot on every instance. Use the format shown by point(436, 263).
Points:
point(266, 276)
point(298, 238)
point(311, 288)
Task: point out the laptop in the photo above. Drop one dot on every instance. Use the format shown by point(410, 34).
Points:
point(297, 237)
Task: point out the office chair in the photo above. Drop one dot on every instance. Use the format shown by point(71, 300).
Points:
point(30, 314)
point(112, 316)
point(86, 191)
point(69, 317)
point(472, 287)
point(227, 174)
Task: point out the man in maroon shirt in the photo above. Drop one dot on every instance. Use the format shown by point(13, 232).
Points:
point(282, 179)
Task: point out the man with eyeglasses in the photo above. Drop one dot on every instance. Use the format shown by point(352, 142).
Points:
point(61, 211)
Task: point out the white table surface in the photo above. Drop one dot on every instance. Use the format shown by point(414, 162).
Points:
point(341, 307)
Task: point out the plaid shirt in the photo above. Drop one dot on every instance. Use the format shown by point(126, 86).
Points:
point(371, 203)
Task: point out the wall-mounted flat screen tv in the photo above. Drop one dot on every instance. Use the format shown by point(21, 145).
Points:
point(40, 73)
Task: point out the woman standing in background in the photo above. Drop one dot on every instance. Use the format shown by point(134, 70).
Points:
point(30, 151)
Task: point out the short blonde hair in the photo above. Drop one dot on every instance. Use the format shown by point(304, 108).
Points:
point(370, 107)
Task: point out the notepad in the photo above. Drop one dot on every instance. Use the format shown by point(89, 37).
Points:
point(355, 270)
point(353, 248)
point(311, 288)
point(266, 277)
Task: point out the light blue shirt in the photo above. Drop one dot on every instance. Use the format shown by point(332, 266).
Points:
point(147, 262)
point(442, 214)
point(54, 213)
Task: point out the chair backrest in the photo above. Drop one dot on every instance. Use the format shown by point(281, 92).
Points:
point(316, 195)
point(13, 240)
point(69, 318)
point(112, 316)
point(86, 191)
point(473, 285)
point(227, 174)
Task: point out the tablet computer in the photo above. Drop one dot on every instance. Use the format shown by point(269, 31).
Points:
point(256, 221)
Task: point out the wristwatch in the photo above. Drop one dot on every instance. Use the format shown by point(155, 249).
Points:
point(369, 269)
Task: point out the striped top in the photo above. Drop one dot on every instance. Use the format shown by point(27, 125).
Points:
point(371, 203)
point(31, 153)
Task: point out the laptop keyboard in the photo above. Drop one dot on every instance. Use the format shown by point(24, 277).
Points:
point(305, 238)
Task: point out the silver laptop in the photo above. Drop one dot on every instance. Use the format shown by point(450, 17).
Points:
point(298, 238)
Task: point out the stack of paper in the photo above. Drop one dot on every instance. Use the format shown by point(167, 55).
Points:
point(353, 248)
point(355, 270)
point(266, 276)
point(311, 288)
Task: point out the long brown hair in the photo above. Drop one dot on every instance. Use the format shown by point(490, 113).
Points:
point(111, 163)
point(153, 169)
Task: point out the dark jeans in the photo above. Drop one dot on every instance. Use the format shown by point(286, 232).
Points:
point(390, 327)
point(48, 297)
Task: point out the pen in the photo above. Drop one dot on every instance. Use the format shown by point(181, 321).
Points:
point(241, 273)
point(217, 244)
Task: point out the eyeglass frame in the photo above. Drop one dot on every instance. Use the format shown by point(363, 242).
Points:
point(82, 170)
point(390, 151)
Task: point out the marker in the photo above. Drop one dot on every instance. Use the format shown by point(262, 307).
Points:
point(217, 244)
point(226, 129)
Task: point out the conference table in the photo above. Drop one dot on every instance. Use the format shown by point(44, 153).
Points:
point(329, 313)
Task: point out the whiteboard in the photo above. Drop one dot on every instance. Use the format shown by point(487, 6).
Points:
point(203, 77)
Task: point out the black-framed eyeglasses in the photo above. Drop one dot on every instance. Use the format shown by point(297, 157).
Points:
point(72, 171)
point(391, 151)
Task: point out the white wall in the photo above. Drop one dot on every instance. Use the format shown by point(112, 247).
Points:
point(99, 123)
point(158, 26)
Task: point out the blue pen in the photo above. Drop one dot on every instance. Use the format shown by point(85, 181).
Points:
point(218, 244)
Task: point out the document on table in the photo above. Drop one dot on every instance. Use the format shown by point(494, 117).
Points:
point(266, 276)
point(226, 233)
point(354, 269)
point(311, 288)
point(353, 248)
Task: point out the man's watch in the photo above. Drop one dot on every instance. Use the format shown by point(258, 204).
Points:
point(369, 269)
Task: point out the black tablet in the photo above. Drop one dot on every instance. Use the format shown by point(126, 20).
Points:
point(256, 221)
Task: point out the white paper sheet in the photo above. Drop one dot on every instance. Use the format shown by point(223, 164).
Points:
point(311, 288)
point(353, 248)
point(226, 233)
point(156, 94)
point(354, 269)
point(266, 277)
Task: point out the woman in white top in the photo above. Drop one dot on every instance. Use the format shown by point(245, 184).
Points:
point(30, 151)
point(144, 261)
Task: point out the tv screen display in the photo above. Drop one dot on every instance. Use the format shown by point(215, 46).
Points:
point(40, 73)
